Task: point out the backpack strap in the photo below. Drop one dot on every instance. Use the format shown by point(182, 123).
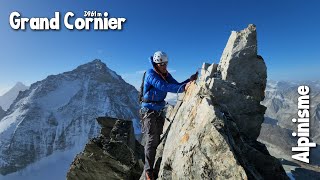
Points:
point(141, 89)
point(141, 94)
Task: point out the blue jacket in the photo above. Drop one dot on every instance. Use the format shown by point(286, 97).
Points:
point(155, 88)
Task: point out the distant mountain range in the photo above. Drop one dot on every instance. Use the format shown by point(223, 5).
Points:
point(282, 105)
point(282, 102)
point(7, 99)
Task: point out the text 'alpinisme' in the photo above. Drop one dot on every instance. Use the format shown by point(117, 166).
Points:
point(303, 122)
point(98, 21)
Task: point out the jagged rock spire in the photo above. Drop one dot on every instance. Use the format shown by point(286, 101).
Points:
point(213, 129)
point(241, 64)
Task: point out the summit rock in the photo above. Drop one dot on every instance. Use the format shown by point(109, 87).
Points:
point(214, 126)
point(241, 64)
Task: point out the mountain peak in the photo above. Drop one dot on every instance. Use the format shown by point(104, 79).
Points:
point(97, 61)
point(19, 85)
point(95, 69)
point(93, 66)
point(7, 98)
point(58, 113)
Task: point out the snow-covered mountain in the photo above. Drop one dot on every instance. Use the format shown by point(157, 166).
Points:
point(7, 98)
point(57, 116)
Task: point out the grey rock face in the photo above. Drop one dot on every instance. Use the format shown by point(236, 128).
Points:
point(115, 154)
point(246, 110)
point(241, 64)
point(2, 113)
point(215, 124)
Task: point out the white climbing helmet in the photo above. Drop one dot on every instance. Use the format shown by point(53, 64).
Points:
point(160, 57)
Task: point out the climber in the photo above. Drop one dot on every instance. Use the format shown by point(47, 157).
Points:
point(156, 83)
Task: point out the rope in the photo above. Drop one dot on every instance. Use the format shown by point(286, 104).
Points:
point(179, 90)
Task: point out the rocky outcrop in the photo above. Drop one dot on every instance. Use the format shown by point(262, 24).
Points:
point(212, 131)
point(115, 154)
point(241, 64)
point(214, 126)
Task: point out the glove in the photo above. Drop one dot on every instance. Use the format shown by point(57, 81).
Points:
point(194, 76)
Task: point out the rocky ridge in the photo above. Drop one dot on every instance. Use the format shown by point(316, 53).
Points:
point(212, 131)
point(214, 127)
point(115, 154)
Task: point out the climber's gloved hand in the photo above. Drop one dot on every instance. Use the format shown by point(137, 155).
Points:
point(193, 76)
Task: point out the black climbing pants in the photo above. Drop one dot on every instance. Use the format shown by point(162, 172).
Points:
point(152, 126)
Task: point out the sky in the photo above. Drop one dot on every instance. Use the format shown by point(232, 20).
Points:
point(190, 32)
